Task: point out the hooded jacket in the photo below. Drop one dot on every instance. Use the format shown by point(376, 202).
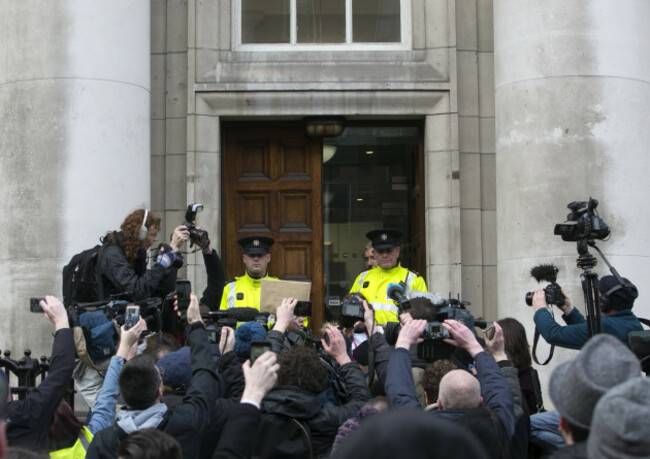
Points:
point(323, 421)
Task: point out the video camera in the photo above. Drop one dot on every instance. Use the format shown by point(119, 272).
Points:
point(588, 225)
point(216, 320)
point(197, 236)
point(433, 346)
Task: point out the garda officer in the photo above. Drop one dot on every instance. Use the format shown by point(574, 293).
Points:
point(373, 283)
point(244, 291)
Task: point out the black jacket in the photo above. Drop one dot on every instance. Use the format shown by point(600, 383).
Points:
point(186, 422)
point(235, 442)
point(216, 280)
point(29, 420)
point(323, 420)
point(118, 276)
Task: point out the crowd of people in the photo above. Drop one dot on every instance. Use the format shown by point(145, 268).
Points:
point(191, 390)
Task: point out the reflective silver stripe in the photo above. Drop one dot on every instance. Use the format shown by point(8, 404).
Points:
point(410, 277)
point(84, 441)
point(231, 294)
point(361, 276)
point(385, 307)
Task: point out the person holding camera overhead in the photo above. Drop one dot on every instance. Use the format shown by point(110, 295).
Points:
point(244, 291)
point(374, 283)
point(123, 263)
point(616, 300)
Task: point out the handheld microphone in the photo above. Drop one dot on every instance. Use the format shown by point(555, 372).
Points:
point(396, 293)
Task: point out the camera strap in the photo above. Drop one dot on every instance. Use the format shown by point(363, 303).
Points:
point(535, 341)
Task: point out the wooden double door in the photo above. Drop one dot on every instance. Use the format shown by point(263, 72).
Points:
point(272, 187)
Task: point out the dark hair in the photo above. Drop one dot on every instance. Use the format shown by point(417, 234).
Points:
point(139, 382)
point(131, 231)
point(160, 342)
point(488, 428)
point(149, 444)
point(516, 343)
point(432, 375)
point(422, 308)
point(65, 427)
point(302, 367)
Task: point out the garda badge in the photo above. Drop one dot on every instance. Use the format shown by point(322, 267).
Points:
point(256, 242)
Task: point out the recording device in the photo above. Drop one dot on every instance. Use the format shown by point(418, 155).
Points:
point(35, 304)
point(197, 236)
point(588, 225)
point(396, 293)
point(553, 292)
point(433, 347)
point(302, 309)
point(259, 347)
point(214, 331)
point(183, 291)
point(351, 311)
point(489, 332)
point(131, 316)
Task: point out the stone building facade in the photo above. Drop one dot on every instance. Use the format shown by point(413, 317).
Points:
point(521, 106)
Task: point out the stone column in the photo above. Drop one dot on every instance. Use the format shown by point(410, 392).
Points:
point(572, 104)
point(74, 142)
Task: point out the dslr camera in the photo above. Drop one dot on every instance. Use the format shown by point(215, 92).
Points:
point(351, 311)
point(553, 291)
point(197, 236)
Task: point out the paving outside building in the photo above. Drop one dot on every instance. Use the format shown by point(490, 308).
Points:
point(511, 110)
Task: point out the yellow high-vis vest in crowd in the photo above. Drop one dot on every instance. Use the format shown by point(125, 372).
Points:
point(373, 284)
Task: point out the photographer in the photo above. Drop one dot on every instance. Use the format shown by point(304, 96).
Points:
point(617, 318)
point(459, 390)
point(123, 264)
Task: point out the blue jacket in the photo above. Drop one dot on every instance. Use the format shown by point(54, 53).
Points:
point(496, 393)
point(575, 334)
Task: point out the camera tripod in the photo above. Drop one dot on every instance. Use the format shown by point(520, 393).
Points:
point(589, 279)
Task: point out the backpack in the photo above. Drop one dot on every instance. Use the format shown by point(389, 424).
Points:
point(99, 333)
point(283, 437)
point(82, 282)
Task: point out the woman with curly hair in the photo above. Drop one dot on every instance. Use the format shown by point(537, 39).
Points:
point(123, 263)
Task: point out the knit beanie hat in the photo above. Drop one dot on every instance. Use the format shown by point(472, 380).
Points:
point(176, 368)
point(245, 333)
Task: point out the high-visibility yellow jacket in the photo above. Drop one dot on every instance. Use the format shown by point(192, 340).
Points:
point(373, 284)
point(76, 451)
point(242, 292)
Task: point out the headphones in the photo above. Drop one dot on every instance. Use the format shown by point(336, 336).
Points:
point(143, 229)
point(605, 298)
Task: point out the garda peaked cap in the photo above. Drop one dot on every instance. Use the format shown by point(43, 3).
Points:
point(385, 238)
point(256, 245)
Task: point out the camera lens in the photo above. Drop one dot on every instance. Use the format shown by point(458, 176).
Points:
point(529, 298)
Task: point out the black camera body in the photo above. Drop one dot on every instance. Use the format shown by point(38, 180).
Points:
point(553, 291)
point(351, 311)
point(197, 236)
point(588, 225)
point(433, 347)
